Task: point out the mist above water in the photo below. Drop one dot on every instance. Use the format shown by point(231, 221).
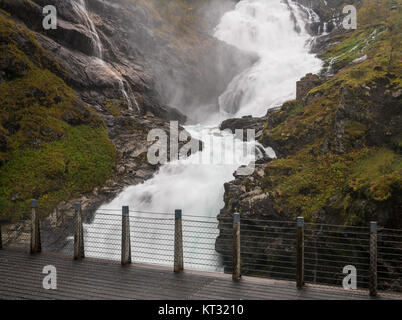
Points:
point(195, 188)
point(265, 27)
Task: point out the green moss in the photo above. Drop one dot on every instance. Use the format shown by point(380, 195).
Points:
point(54, 147)
point(113, 107)
point(292, 108)
point(377, 38)
point(378, 176)
point(355, 129)
point(248, 185)
point(304, 184)
point(58, 171)
point(300, 122)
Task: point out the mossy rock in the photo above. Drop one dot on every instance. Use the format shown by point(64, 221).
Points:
point(53, 147)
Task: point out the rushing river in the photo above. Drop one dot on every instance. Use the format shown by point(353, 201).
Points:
point(275, 31)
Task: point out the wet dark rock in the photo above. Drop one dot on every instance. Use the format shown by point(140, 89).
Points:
point(27, 11)
point(155, 73)
point(72, 36)
point(373, 126)
point(244, 123)
point(11, 67)
point(4, 143)
point(306, 84)
point(169, 114)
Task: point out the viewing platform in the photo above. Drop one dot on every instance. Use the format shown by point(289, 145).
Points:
point(21, 277)
point(171, 256)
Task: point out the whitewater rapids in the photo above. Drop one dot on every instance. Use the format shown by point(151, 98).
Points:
point(266, 27)
point(275, 31)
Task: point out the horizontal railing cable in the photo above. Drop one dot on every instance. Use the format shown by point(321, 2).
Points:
point(265, 247)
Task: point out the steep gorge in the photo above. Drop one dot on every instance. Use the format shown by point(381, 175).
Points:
point(75, 114)
point(84, 96)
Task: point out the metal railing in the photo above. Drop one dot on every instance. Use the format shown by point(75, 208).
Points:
point(329, 248)
point(310, 253)
point(389, 259)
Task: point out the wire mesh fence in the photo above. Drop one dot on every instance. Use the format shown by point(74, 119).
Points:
point(16, 235)
point(389, 261)
point(152, 239)
point(330, 248)
point(267, 248)
point(199, 237)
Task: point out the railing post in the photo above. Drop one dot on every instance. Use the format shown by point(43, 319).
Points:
point(236, 247)
point(373, 259)
point(35, 229)
point(1, 239)
point(178, 242)
point(300, 253)
point(79, 251)
point(125, 237)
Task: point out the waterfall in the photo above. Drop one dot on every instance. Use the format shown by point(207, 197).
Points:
point(325, 29)
point(195, 188)
point(124, 93)
point(80, 9)
point(266, 27)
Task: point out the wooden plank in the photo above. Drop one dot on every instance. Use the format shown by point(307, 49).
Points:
point(21, 278)
point(120, 288)
point(117, 280)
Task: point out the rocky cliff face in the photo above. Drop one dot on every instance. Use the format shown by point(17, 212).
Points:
point(78, 102)
point(339, 143)
point(329, 12)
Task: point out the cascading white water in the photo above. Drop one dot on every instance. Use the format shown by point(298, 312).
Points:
point(267, 28)
point(325, 32)
point(195, 188)
point(80, 9)
point(124, 93)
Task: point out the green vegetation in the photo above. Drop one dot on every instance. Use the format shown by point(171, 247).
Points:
point(58, 171)
point(114, 107)
point(52, 146)
point(378, 175)
point(332, 161)
point(304, 184)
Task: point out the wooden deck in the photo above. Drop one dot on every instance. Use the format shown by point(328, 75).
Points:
point(21, 278)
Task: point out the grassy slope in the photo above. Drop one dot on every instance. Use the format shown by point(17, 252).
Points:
point(366, 177)
point(53, 146)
